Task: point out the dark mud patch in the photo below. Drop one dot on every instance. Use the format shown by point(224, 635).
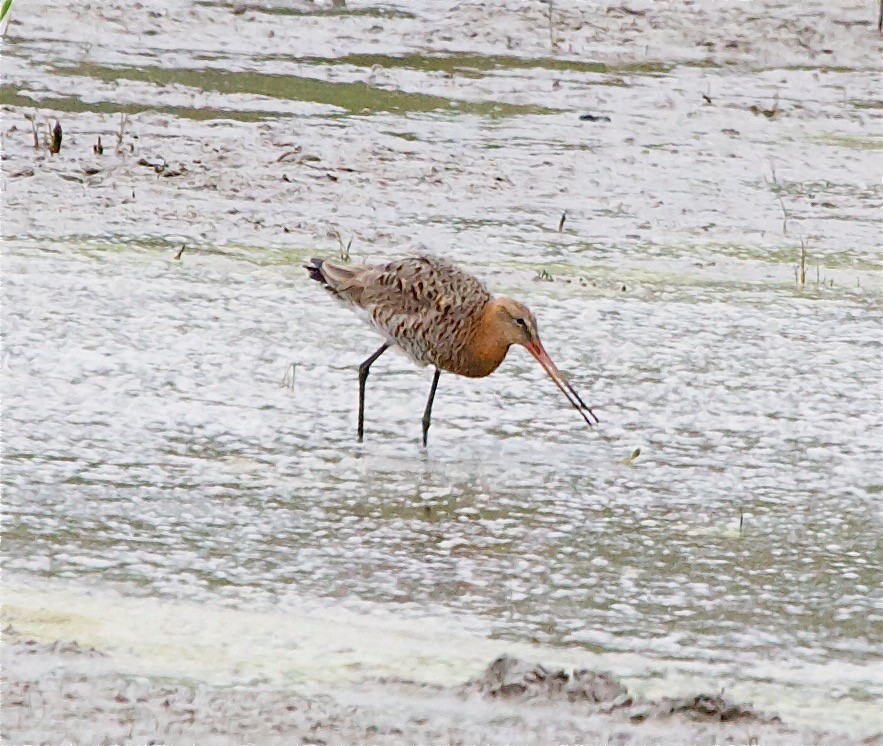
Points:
point(511, 678)
point(67, 648)
point(516, 680)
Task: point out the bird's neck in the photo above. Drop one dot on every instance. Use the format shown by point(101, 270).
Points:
point(487, 348)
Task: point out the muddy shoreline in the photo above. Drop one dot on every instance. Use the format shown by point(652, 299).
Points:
point(62, 691)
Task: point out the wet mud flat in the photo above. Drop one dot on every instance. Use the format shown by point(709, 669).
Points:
point(62, 691)
point(225, 124)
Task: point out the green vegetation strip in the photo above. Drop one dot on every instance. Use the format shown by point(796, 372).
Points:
point(338, 10)
point(9, 96)
point(486, 63)
point(355, 98)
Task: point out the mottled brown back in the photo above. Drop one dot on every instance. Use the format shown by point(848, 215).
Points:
point(424, 305)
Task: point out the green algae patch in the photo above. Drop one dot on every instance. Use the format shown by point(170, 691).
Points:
point(351, 97)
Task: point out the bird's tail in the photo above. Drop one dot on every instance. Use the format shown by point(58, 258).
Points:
point(343, 281)
point(315, 270)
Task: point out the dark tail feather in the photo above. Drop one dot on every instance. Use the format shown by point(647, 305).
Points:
point(315, 270)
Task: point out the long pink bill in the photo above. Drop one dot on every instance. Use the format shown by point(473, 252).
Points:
point(536, 349)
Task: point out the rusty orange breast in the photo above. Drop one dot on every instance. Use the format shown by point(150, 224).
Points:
point(485, 350)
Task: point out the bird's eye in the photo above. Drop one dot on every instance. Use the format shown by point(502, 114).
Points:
point(521, 322)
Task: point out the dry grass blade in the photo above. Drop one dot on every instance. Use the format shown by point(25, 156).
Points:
point(32, 118)
point(121, 132)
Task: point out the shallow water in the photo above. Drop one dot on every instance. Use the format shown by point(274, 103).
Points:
point(149, 443)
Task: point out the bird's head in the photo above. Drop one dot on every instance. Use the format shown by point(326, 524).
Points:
point(515, 322)
point(516, 325)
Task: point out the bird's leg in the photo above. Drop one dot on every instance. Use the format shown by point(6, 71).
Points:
point(427, 413)
point(363, 376)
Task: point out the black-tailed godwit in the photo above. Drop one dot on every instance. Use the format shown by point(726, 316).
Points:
point(441, 316)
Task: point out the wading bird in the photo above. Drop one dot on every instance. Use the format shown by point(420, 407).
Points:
point(438, 315)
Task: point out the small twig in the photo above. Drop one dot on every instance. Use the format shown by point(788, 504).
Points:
point(561, 222)
point(802, 265)
point(124, 121)
point(631, 11)
point(98, 148)
point(288, 154)
point(289, 381)
point(181, 251)
point(551, 26)
point(785, 217)
point(344, 250)
point(32, 118)
point(707, 95)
